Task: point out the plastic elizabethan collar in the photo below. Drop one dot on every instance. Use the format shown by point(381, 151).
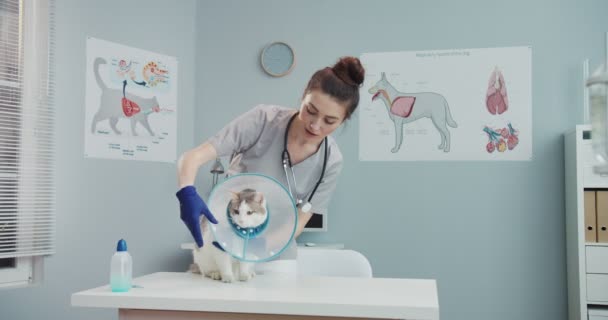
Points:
point(266, 241)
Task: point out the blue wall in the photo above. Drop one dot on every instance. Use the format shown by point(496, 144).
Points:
point(99, 201)
point(491, 233)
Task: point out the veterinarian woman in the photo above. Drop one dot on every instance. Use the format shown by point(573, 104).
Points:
point(257, 141)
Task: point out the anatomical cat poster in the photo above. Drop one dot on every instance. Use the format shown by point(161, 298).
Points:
point(131, 103)
point(461, 104)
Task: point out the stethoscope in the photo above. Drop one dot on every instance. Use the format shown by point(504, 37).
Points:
point(286, 158)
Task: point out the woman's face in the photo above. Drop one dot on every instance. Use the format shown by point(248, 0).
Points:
point(321, 115)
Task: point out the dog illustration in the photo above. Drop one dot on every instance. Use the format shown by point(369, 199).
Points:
point(407, 107)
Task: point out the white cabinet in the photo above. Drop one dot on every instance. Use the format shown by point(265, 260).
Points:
point(597, 288)
point(586, 231)
point(597, 259)
point(598, 313)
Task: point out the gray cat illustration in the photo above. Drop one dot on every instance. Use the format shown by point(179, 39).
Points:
point(115, 104)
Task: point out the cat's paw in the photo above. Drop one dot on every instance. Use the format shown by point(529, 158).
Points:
point(194, 268)
point(215, 275)
point(246, 276)
point(227, 278)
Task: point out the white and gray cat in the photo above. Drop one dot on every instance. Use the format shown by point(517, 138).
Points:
point(110, 105)
point(248, 210)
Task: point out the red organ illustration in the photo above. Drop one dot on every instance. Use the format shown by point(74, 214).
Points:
point(497, 101)
point(501, 139)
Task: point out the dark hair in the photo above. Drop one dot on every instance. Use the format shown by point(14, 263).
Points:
point(342, 82)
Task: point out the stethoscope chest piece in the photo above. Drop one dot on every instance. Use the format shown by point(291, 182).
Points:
point(305, 207)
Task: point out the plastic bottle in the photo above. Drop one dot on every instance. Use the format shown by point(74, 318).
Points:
point(598, 100)
point(121, 270)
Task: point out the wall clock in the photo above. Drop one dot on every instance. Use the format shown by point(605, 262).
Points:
point(278, 59)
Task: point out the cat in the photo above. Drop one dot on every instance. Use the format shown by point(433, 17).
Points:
point(247, 209)
point(111, 106)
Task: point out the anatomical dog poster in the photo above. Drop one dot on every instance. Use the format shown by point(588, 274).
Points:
point(462, 104)
point(131, 103)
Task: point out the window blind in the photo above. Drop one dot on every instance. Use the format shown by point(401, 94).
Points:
point(27, 188)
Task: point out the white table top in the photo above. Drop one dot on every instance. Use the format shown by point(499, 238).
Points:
point(274, 294)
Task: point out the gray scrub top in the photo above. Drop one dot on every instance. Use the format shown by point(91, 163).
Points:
point(255, 140)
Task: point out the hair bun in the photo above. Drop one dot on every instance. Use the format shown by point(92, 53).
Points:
point(350, 70)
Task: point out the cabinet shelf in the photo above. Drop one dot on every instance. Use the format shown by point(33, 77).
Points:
point(586, 204)
point(597, 244)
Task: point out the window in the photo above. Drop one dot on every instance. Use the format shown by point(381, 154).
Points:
point(27, 191)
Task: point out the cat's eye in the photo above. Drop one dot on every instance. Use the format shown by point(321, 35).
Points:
point(236, 211)
point(249, 212)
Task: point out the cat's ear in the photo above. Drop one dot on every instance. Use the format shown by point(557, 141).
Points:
point(259, 197)
point(234, 196)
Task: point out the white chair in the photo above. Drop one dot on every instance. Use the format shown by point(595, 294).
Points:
point(330, 262)
point(316, 262)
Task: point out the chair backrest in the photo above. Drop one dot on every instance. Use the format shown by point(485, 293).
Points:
point(332, 262)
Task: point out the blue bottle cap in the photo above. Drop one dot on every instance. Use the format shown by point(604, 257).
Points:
point(122, 245)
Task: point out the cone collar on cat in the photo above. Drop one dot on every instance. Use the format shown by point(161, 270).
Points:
point(270, 238)
point(250, 232)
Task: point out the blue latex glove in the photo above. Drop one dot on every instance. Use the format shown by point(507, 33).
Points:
point(191, 206)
